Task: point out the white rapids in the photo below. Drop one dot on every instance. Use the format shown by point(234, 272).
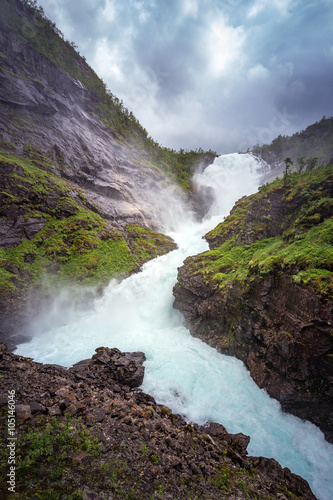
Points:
point(182, 372)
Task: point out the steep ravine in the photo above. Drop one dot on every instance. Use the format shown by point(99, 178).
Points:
point(183, 373)
point(81, 194)
point(263, 293)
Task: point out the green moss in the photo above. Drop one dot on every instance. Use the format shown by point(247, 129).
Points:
point(45, 464)
point(303, 248)
point(70, 251)
point(108, 259)
point(6, 284)
point(147, 244)
point(312, 256)
point(234, 223)
point(226, 263)
point(7, 145)
point(76, 244)
point(31, 178)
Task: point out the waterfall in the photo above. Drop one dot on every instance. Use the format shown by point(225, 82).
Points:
point(182, 372)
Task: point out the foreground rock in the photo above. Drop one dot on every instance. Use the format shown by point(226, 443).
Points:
point(89, 432)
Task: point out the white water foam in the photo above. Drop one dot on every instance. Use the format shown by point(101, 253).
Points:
point(181, 371)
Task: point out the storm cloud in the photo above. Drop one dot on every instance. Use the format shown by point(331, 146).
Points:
point(221, 75)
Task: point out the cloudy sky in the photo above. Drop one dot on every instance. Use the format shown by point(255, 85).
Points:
point(216, 74)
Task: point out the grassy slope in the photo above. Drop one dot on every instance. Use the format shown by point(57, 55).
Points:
point(76, 244)
point(302, 246)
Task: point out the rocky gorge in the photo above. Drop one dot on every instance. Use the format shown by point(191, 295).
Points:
point(83, 187)
point(83, 196)
point(263, 292)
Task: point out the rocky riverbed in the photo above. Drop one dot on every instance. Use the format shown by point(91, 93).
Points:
point(90, 432)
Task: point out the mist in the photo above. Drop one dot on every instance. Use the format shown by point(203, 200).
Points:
point(182, 372)
point(217, 75)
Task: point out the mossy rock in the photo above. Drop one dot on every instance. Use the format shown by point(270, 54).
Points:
point(296, 237)
point(76, 245)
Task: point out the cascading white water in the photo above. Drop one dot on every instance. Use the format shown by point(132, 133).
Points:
point(181, 371)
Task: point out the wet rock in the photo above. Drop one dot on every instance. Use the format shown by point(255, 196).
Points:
point(126, 368)
point(240, 443)
point(13, 231)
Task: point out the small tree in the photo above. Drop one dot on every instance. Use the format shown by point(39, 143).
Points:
point(288, 161)
point(311, 163)
point(301, 164)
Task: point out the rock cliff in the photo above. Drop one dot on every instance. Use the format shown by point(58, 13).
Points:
point(83, 188)
point(55, 109)
point(264, 292)
point(46, 111)
point(89, 432)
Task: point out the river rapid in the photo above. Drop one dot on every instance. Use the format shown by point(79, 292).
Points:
point(182, 372)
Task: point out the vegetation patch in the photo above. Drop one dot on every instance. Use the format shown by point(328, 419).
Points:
point(302, 247)
point(50, 457)
point(75, 244)
point(146, 244)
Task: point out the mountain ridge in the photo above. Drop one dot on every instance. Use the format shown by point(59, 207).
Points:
point(308, 148)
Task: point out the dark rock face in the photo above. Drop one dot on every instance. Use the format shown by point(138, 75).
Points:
point(281, 332)
point(157, 450)
point(13, 231)
point(127, 368)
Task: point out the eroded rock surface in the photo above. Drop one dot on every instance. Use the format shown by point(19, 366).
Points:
point(143, 446)
point(45, 108)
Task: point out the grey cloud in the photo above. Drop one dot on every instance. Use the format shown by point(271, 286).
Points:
point(285, 65)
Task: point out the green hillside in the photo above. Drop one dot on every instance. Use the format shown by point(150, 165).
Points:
point(30, 22)
point(307, 149)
